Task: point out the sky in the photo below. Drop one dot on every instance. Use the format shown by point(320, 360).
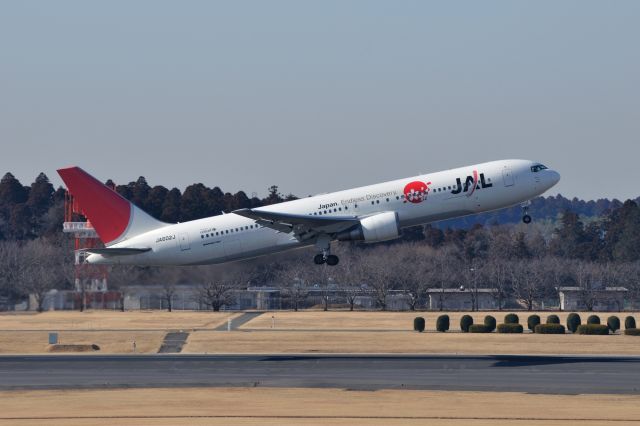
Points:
point(320, 96)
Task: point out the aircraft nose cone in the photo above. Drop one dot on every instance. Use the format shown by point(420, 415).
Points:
point(553, 177)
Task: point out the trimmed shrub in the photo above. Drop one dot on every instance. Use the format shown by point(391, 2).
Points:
point(418, 324)
point(510, 328)
point(553, 319)
point(479, 328)
point(442, 323)
point(573, 322)
point(632, 332)
point(593, 319)
point(490, 322)
point(613, 322)
point(465, 322)
point(629, 322)
point(598, 329)
point(511, 319)
point(550, 329)
point(532, 321)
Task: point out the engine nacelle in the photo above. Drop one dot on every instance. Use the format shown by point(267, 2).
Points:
point(380, 227)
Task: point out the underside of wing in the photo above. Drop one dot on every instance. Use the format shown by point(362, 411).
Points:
point(302, 226)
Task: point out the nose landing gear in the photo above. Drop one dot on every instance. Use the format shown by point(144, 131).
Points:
point(525, 212)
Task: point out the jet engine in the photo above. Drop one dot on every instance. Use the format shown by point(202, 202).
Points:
point(379, 227)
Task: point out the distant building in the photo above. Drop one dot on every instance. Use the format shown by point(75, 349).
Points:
point(58, 300)
point(261, 298)
point(597, 299)
point(454, 299)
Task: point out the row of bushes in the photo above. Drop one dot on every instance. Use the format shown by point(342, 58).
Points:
point(552, 326)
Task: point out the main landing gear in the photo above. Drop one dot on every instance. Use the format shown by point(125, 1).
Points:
point(324, 244)
point(525, 212)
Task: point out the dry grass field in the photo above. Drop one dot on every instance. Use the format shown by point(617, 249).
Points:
point(345, 320)
point(389, 332)
point(407, 342)
point(112, 320)
point(285, 406)
point(295, 332)
point(34, 342)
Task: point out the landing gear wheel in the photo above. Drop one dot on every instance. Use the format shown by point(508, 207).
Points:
point(526, 218)
point(318, 259)
point(332, 260)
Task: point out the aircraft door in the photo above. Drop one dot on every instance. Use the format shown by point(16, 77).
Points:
point(184, 242)
point(507, 176)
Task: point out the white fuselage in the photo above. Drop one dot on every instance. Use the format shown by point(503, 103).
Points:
point(451, 194)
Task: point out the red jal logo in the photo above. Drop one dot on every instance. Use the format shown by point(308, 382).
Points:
point(416, 191)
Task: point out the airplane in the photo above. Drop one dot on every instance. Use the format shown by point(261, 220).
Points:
point(369, 214)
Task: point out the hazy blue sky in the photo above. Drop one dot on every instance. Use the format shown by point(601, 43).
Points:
point(320, 96)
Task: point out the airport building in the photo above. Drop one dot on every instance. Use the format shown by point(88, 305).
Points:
point(462, 299)
point(594, 299)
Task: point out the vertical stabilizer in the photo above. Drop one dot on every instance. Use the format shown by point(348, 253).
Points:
point(114, 218)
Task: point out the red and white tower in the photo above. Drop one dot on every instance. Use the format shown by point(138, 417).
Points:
point(88, 278)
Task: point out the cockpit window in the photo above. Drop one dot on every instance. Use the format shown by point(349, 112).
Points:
point(538, 167)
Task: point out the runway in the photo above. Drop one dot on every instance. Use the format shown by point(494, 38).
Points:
point(533, 374)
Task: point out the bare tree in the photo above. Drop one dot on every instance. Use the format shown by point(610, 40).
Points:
point(588, 277)
point(294, 282)
point(526, 276)
point(497, 273)
point(444, 272)
point(11, 268)
point(629, 279)
point(471, 274)
point(44, 270)
point(219, 287)
point(170, 278)
point(381, 272)
point(413, 279)
point(351, 277)
point(122, 276)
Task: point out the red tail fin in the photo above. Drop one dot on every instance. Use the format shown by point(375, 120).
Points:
point(113, 217)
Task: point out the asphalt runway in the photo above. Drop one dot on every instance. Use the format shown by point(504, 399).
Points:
point(533, 374)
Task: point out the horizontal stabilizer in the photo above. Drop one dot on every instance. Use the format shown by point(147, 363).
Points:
point(124, 251)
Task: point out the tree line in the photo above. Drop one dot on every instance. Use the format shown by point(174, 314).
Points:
point(523, 264)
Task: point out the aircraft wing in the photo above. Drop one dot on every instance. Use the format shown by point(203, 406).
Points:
point(302, 226)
